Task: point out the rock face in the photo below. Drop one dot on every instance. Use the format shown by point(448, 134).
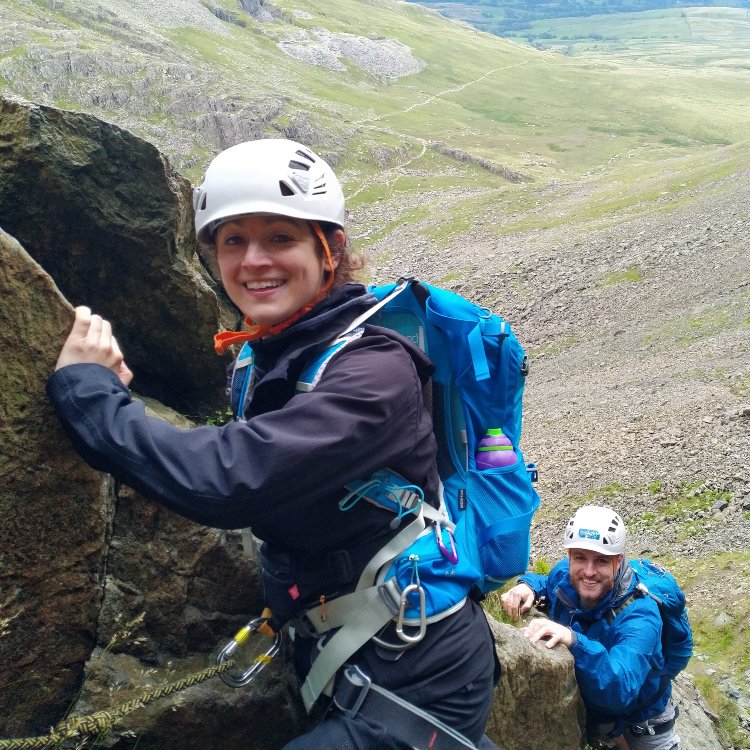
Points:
point(55, 512)
point(85, 564)
point(102, 211)
point(537, 703)
point(696, 724)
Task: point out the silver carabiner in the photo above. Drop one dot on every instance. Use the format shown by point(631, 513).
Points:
point(422, 615)
point(240, 679)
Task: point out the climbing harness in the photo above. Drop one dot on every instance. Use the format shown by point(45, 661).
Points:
point(356, 695)
point(240, 679)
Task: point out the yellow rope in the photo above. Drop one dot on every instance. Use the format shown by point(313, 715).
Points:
point(101, 721)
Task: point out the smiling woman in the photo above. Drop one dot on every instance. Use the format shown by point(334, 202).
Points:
point(273, 211)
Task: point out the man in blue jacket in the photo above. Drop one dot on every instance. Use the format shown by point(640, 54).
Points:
point(619, 664)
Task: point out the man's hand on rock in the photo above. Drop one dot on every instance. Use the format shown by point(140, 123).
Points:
point(553, 632)
point(517, 600)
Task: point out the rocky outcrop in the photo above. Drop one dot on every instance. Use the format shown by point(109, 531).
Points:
point(537, 703)
point(106, 216)
point(55, 512)
point(696, 724)
point(260, 10)
point(387, 59)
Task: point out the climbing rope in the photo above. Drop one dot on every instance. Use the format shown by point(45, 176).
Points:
point(102, 721)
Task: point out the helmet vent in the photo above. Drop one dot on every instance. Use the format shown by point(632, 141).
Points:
point(304, 155)
point(298, 165)
point(285, 189)
point(320, 187)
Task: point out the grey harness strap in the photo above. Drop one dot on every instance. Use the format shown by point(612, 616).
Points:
point(357, 695)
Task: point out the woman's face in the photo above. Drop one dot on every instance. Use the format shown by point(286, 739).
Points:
point(270, 265)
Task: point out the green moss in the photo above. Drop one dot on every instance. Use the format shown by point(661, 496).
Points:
point(631, 275)
point(740, 386)
point(220, 417)
point(448, 278)
point(681, 505)
point(707, 323)
point(724, 708)
point(541, 566)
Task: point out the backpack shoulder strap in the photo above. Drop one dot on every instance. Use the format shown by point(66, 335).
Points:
point(313, 372)
point(614, 611)
point(637, 593)
point(315, 369)
point(241, 382)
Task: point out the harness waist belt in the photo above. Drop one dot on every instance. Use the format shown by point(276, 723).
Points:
point(641, 729)
point(356, 694)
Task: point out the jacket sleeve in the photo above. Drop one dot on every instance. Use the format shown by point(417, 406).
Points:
point(364, 414)
point(535, 581)
point(613, 672)
point(545, 585)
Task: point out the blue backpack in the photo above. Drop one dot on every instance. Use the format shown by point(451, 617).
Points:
point(479, 538)
point(676, 635)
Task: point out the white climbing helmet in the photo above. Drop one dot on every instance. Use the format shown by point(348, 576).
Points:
point(596, 528)
point(267, 176)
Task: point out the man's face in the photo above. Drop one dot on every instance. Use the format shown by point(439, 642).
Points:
point(592, 574)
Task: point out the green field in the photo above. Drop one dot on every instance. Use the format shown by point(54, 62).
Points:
point(545, 115)
point(688, 37)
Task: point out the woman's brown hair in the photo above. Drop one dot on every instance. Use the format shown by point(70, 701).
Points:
point(349, 262)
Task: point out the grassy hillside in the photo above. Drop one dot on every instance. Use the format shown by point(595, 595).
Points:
point(523, 18)
point(542, 115)
point(685, 37)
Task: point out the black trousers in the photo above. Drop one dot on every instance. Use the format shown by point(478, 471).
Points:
point(450, 674)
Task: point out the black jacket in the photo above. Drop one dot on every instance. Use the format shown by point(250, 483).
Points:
point(283, 471)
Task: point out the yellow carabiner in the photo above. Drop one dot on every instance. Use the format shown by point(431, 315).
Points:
point(240, 679)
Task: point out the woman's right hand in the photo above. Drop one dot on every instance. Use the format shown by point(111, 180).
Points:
point(518, 600)
point(91, 342)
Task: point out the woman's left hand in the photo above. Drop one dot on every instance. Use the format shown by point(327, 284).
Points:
point(91, 342)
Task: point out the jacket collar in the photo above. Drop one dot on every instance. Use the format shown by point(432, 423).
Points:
point(311, 333)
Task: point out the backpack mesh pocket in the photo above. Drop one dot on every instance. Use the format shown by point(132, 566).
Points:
point(499, 500)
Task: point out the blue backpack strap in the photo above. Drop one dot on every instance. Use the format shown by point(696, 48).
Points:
point(242, 379)
point(386, 489)
point(315, 369)
point(313, 372)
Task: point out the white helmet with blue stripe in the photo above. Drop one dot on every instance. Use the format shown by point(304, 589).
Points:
point(596, 528)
